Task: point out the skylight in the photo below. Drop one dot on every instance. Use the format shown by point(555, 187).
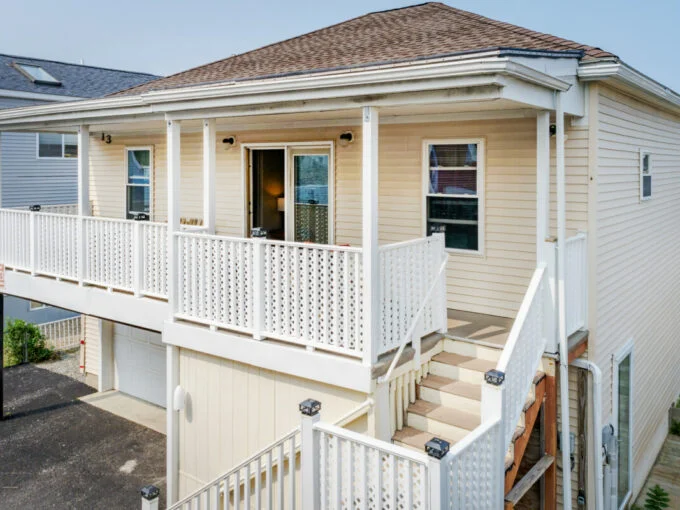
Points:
point(36, 74)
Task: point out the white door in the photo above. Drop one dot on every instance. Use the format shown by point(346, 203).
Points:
point(139, 363)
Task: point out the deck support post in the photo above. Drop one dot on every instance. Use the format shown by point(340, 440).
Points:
point(549, 434)
point(561, 310)
point(172, 352)
point(83, 197)
point(209, 155)
point(370, 250)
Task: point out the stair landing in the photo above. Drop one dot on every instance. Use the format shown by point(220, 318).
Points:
point(482, 328)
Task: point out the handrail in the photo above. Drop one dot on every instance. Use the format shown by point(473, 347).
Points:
point(414, 322)
point(355, 413)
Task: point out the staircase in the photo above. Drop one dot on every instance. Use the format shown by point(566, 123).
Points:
point(448, 401)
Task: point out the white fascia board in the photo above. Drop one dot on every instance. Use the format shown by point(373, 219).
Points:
point(278, 357)
point(17, 94)
point(350, 83)
point(621, 73)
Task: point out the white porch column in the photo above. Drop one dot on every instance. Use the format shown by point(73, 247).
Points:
point(561, 311)
point(83, 170)
point(209, 133)
point(370, 254)
point(542, 184)
point(172, 367)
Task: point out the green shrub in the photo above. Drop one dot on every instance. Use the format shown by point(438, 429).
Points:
point(657, 499)
point(17, 334)
point(675, 427)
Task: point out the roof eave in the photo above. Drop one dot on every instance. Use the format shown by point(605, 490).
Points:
point(619, 73)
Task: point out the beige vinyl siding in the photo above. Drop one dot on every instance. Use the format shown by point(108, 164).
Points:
point(92, 344)
point(234, 410)
point(493, 283)
point(638, 276)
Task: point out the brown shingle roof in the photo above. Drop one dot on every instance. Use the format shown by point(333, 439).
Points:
point(416, 32)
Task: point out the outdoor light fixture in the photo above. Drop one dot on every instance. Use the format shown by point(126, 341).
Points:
point(229, 142)
point(179, 399)
point(437, 448)
point(346, 138)
point(34, 208)
point(495, 377)
point(310, 407)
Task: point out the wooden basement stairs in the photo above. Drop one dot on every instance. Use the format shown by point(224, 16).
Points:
point(448, 406)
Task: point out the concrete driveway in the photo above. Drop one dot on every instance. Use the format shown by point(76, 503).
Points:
point(58, 452)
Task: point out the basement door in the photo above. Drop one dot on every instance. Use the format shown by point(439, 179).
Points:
point(139, 364)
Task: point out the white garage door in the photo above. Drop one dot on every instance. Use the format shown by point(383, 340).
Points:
point(139, 363)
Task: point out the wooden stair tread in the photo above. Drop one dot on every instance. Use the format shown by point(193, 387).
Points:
point(458, 360)
point(415, 438)
point(447, 415)
point(528, 481)
point(452, 386)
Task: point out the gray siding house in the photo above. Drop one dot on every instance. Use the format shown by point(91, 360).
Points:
point(42, 168)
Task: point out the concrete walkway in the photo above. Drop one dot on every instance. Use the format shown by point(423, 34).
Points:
point(666, 472)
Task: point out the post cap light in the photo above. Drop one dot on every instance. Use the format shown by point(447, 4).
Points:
point(150, 492)
point(495, 377)
point(35, 208)
point(437, 448)
point(310, 407)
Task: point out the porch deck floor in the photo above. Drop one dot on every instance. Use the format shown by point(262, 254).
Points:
point(478, 327)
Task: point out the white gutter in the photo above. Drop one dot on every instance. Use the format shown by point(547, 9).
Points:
point(621, 72)
point(597, 427)
point(561, 308)
point(345, 83)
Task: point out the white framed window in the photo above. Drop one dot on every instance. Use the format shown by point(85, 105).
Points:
point(35, 305)
point(622, 397)
point(645, 175)
point(138, 172)
point(56, 145)
point(454, 192)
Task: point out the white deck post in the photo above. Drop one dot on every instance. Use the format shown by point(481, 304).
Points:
point(173, 132)
point(209, 155)
point(137, 258)
point(545, 249)
point(370, 253)
point(561, 315)
point(173, 375)
point(309, 455)
point(83, 197)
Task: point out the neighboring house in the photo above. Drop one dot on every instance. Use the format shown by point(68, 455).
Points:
point(41, 169)
point(547, 168)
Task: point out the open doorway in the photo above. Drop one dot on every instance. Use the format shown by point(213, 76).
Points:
point(268, 184)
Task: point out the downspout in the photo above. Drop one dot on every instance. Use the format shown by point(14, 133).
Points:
point(561, 309)
point(597, 427)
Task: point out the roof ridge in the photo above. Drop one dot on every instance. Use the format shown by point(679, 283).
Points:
point(540, 36)
point(78, 65)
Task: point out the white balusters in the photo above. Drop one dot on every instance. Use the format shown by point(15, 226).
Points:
point(56, 245)
point(63, 334)
point(154, 256)
point(109, 253)
point(15, 239)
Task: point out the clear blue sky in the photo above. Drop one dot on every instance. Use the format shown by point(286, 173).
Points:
point(166, 36)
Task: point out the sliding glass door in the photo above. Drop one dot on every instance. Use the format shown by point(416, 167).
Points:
point(624, 420)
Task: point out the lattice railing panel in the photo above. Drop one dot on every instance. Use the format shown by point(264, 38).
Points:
point(109, 253)
point(57, 240)
point(313, 295)
point(407, 271)
point(155, 259)
point(15, 235)
point(216, 280)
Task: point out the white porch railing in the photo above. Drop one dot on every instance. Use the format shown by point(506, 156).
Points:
point(521, 356)
point(63, 334)
point(307, 294)
point(576, 282)
point(264, 480)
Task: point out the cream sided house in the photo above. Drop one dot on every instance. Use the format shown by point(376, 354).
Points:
point(432, 224)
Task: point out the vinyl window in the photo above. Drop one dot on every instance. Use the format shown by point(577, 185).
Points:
point(454, 187)
point(57, 145)
point(645, 175)
point(139, 165)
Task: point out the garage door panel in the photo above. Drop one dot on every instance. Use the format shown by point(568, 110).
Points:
point(139, 361)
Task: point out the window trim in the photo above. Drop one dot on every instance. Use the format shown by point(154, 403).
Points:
point(63, 146)
point(617, 358)
point(643, 153)
point(481, 176)
point(151, 178)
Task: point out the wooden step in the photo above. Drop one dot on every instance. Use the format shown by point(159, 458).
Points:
point(451, 393)
point(415, 439)
point(463, 368)
point(472, 349)
point(440, 420)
